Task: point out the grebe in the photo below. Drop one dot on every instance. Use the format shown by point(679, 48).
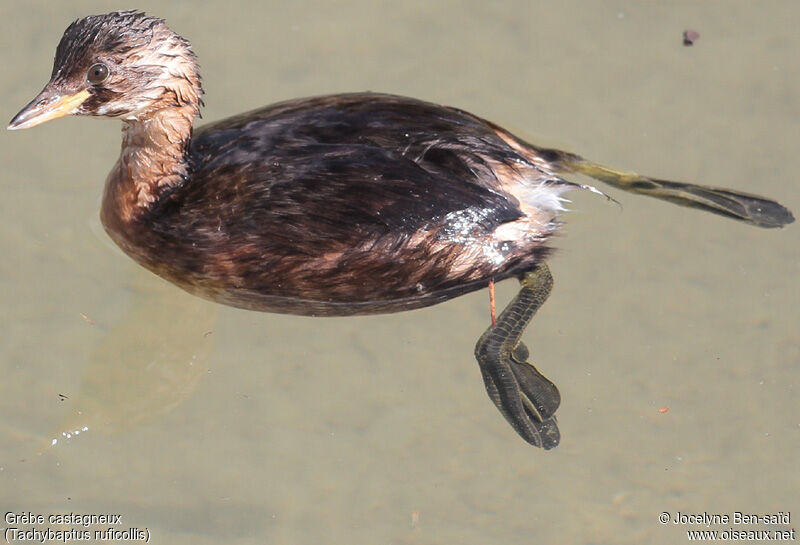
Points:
point(334, 205)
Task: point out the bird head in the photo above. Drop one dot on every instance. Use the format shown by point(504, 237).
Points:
point(123, 64)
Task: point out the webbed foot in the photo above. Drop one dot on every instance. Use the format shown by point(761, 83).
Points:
point(524, 396)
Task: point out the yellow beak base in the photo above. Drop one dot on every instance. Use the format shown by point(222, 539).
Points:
point(46, 106)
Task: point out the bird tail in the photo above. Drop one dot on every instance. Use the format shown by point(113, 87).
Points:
point(741, 206)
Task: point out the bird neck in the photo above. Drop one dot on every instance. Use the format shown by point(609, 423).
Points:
point(152, 163)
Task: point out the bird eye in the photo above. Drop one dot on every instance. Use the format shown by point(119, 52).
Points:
point(97, 73)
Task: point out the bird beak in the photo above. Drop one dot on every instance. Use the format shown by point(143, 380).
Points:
point(49, 104)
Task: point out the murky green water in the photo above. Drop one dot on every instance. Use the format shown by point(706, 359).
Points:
point(212, 425)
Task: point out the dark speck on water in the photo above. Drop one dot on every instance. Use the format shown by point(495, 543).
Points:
point(689, 37)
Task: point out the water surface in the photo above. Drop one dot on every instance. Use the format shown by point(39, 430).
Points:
point(214, 425)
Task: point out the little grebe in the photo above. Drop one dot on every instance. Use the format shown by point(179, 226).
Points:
point(334, 205)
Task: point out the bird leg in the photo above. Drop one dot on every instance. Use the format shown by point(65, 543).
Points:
point(525, 398)
point(737, 205)
point(491, 303)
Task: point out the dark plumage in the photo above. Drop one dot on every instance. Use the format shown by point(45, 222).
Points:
point(334, 205)
point(322, 206)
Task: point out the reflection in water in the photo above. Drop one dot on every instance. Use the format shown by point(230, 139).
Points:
point(147, 365)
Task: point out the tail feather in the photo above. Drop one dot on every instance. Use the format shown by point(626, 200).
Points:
point(741, 206)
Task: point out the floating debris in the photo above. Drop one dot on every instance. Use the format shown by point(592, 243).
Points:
point(86, 318)
point(689, 37)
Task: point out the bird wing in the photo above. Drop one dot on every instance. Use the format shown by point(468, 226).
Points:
point(317, 173)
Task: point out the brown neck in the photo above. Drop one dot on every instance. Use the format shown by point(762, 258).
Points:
point(153, 161)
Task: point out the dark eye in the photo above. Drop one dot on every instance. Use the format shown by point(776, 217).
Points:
point(97, 73)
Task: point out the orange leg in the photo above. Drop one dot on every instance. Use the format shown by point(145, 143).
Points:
point(491, 303)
